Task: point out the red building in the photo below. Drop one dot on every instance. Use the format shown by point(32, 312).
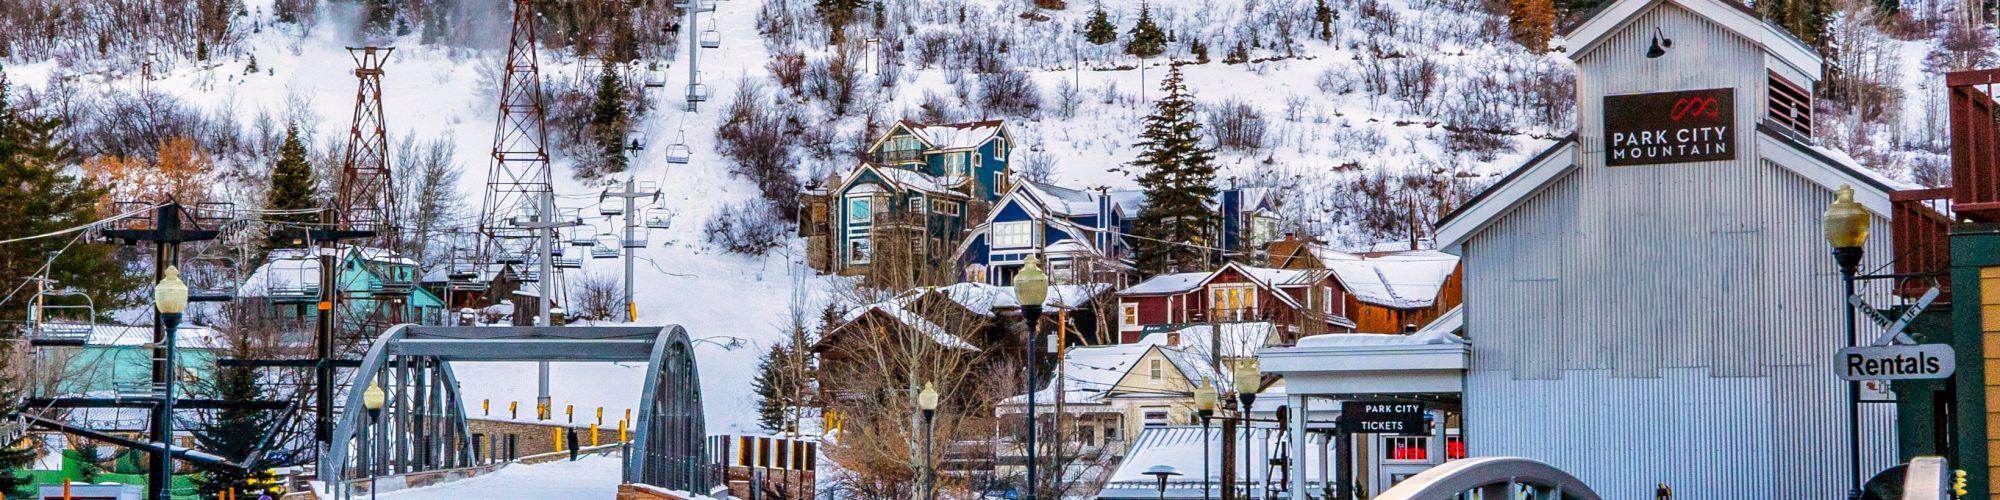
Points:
point(1302, 301)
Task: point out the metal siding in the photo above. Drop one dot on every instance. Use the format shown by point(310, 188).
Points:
point(1685, 331)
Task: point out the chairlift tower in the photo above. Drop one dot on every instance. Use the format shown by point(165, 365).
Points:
point(516, 217)
point(633, 240)
point(696, 92)
point(365, 201)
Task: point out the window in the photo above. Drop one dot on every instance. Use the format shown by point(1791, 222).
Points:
point(860, 209)
point(1232, 302)
point(1326, 300)
point(917, 203)
point(954, 164)
point(1131, 315)
point(1110, 433)
point(1088, 434)
point(944, 207)
point(1790, 105)
point(1156, 416)
point(1154, 370)
point(857, 250)
point(999, 182)
point(1013, 234)
point(975, 273)
point(1000, 148)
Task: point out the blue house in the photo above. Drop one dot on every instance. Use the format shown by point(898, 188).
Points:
point(1080, 235)
point(374, 282)
point(910, 198)
point(1084, 237)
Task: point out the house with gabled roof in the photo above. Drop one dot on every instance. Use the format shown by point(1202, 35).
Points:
point(1302, 301)
point(1079, 235)
point(373, 282)
point(1388, 292)
point(910, 199)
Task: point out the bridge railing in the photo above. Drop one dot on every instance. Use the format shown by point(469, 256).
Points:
point(1491, 477)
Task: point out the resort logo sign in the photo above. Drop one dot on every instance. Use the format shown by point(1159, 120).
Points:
point(1670, 127)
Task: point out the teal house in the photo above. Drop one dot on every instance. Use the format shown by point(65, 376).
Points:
point(376, 286)
point(910, 199)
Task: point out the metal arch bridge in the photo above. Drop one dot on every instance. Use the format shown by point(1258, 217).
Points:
point(1491, 478)
point(422, 425)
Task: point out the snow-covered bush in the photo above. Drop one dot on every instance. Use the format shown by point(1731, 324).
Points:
point(1237, 125)
point(750, 228)
point(753, 136)
point(1009, 93)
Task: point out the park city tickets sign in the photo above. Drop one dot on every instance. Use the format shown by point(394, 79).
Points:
point(1669, 127)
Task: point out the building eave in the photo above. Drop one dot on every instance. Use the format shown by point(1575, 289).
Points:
point(1553, 163)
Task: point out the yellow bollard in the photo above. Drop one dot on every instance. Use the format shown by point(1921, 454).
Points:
point(600, 415)
point(514, 409)
point(593, 434)
point(628, 414)
point(569, 412)
point(558, 434)
point(485, 407)
point(621, 431)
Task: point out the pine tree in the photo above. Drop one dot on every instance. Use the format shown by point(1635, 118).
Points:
point(1147, 39)
point(1200, 51)
point(837, 14)
point(294, 190)
point(1178, 174)
point(774, 379)
point(1099, 30)
point(607, 123)
point(233, 432)
point(41, 195)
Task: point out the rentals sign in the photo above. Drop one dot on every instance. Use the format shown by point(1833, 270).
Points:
point(1898, 362)
point(1670, 127)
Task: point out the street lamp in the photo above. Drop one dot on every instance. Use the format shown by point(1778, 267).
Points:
point(372, 399)
point(928, 401)
point(1204, 403)
point(170, 298)
point(1846, 224)
point(1031, 287)
point(1248, 380)
point(1163, 472)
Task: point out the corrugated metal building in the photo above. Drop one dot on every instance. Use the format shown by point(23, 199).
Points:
point(1652, 301)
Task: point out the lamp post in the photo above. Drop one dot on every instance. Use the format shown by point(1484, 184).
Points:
point(170, 298)
point(1846, 224)
point(1204, 402)
point(1248, 380)
point(372, 398)
point(928, 401)
point(1162, 472)
point(1031, 287)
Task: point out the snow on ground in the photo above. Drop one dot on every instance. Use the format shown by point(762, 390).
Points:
point(588, 477)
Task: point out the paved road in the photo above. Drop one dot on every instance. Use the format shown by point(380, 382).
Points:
point(589, 478)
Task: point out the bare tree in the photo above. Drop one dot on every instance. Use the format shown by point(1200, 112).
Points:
point(596, 297)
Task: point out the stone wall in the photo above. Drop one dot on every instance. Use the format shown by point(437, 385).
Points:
point(532, 437)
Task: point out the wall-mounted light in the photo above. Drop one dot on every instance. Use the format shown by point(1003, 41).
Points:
point(1660, 44)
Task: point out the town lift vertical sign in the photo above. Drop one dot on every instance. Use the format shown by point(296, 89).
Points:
point(1670, 127)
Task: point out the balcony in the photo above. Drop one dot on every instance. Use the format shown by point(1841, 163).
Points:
point(1920, 228)
point(892, 157)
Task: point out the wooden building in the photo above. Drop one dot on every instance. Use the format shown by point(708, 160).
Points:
point(1651, 302)
point(1388, 292)
point(1302, 301)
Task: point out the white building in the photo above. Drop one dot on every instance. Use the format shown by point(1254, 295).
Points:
point(1652, 302)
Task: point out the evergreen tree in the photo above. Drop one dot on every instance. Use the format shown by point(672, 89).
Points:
point(607, 123)
point(774, 380)
point(40, 195)
point(1178, 174)
point(1147, 39)
point(1199, 49)
point(233, 432)
point(837, 14)
point(1099, 30)
point(294, 189)
point(1805, 19)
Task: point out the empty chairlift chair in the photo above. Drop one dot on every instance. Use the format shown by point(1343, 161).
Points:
point(679, 153)
point(71, 326)
point(565, 261)
point(605, 250)
point(656, 76)
point(657, 218)
point(710, 38)
point(581, 237)
point(638, 239)
point(609, 208)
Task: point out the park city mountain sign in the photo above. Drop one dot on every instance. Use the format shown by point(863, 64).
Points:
point(1896, 362)
point(1670, 127)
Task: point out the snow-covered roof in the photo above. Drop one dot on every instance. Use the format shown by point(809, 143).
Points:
point(1181, 447)
point(189, 336)
point(1090, 373)
point(1129, 201)
point(1167, 284)
point(956, 135)
point(1405, 280)
point(913, 180)
point(1239, 340)
point(1380, 339)
point(912, 320)
point(1062, 200)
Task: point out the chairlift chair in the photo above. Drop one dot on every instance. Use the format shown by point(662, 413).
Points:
point(510, 257)
point(697, 92)
point(564, 261)
point(43, 332)
point(604, 252)
point(607, 207)
point(656, 77)
point(656, 218)
point(679, 153)
point(710, 38)
point(580, 237)
point(638, 240)
point(635, 142)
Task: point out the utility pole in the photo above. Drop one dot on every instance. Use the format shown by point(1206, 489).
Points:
point(630, 241)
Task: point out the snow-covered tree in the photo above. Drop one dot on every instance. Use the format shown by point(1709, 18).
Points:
point(1099, 30)
point(1178, 174)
